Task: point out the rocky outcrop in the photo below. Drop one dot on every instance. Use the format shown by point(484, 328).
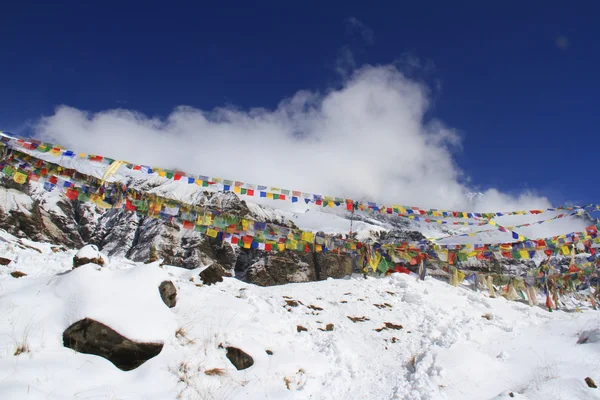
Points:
point(268, 269)
point(28, 211)
point(279, 268)
point(92, 337)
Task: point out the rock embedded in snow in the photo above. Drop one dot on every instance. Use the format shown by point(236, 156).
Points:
point(93, 337)
point(589, 336)
point(214, 274)
point(168, 293)
point(18, 274)
point(239, 359)
point(88, 255)
point(5, 261)
point(590, 382)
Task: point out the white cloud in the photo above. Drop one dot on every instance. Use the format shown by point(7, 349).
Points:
point(366, 140)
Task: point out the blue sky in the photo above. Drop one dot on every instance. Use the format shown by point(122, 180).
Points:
point(516, 81)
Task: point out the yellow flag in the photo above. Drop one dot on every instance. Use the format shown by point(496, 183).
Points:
point(318, 248)
point(280, 246)
point(154, 207)
point(566, 251)
point(212, 233)
point(162, 173)
point(245, 224)
point(199, 182)
point(82, 155)
point(111, 170)
point(524, 254)
point(269, 195)
point(20, 177)
point(237, 189)
point(97, 200)
point(55, 152)
point(374, 261)
point(308, 237)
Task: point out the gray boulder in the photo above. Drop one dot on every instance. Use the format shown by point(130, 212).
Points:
point(168, 293)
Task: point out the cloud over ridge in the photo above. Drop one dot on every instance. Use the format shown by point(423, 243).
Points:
point(365, 140)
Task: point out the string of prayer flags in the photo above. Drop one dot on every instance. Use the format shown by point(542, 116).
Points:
point(276, 193)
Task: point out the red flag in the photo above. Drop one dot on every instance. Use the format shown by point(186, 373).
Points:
point(72, 194)
point(247, 239)
point(129, 206)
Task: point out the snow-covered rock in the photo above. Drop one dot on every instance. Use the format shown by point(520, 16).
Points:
point(89, 254)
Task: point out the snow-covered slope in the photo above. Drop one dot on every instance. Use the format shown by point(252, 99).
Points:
point(438, 341)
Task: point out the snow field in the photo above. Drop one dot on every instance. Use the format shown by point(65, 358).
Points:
point(453, 343)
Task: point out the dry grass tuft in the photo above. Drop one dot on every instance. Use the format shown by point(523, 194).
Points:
point(181, 334)
point(357, 319)
point(215, 372)
point(22, 348)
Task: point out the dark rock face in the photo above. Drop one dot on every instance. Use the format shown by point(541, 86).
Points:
point(239, 359)
point(268, 269)
point(5, 261)
point(93, 337)
point(214, 274)
point(168, 293)
point(271, 269)
point(332, 265)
